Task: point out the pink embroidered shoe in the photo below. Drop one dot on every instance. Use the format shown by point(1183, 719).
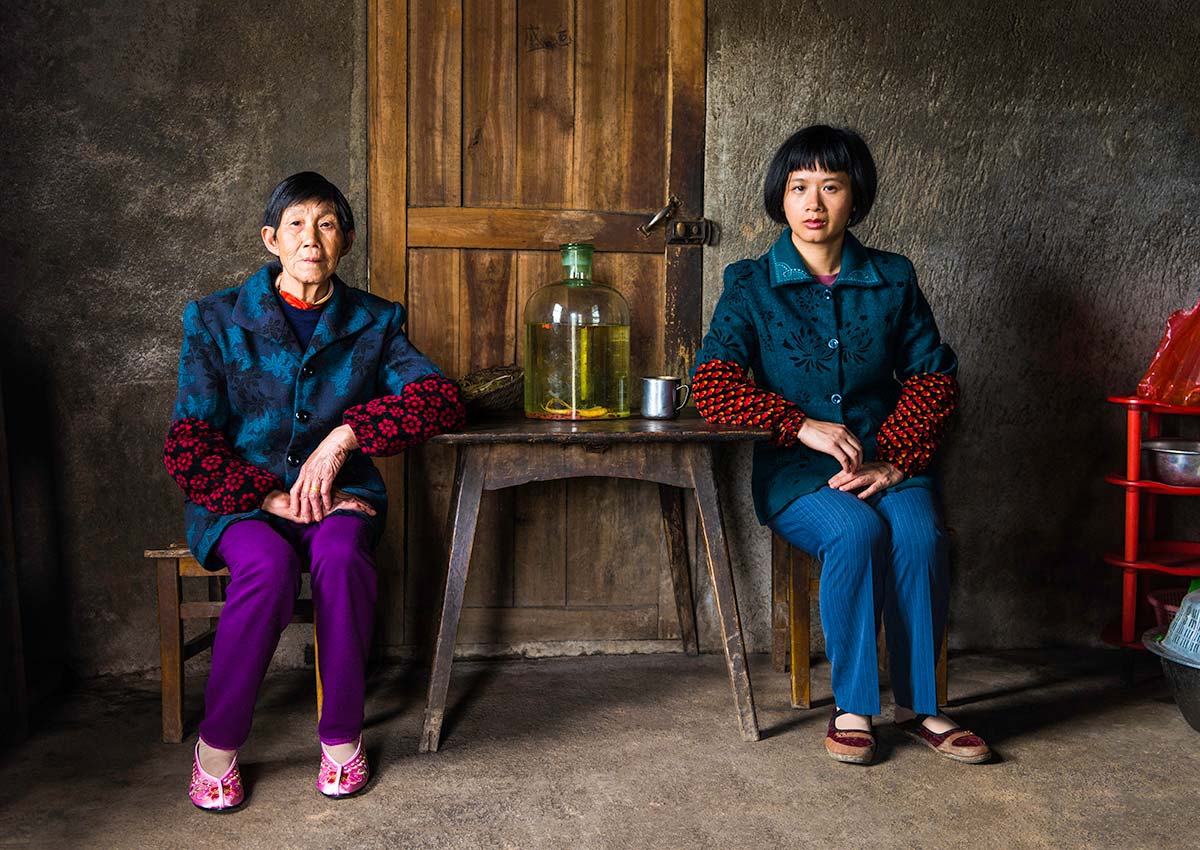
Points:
point(212, 794)
point(342, 780)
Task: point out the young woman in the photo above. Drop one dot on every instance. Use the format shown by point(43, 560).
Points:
point(288, 384)
point(851, 374)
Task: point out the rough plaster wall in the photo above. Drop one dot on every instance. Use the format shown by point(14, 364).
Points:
point(1040, 164)
point(141, 140)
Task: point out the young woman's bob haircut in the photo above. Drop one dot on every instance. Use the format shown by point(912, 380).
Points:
point(827, 149)
point(307, 186)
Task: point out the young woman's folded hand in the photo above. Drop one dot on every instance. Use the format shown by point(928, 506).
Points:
point(832, 438)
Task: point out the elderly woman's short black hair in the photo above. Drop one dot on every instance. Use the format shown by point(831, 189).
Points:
point(828, 149)
point(307, 186)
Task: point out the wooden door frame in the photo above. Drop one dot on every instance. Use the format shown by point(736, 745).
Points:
point(387, 129)
point(687, 32)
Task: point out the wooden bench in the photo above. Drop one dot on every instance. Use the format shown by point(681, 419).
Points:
point(794, 583)
point(172, 566)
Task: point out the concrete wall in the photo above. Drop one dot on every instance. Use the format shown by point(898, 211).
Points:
point(141, 140)
point(1040, 164)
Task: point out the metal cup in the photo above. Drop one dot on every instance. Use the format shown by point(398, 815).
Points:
point(661, 397)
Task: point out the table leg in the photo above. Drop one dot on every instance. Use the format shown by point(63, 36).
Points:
point(681, 575)
point(721, 572)
point(464, 511)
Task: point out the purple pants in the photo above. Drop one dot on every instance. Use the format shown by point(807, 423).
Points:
point(265, 563)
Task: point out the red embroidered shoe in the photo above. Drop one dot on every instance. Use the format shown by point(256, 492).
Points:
point(958, 743)
point(342, 780)
point(853, 746)
point(212, 794)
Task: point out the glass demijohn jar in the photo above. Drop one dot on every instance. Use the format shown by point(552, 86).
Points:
point(576, 345)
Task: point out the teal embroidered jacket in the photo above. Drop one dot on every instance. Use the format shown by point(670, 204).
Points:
point(242, 371)
point(839, 353)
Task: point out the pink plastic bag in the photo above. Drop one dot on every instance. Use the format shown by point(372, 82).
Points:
point(1174, 373)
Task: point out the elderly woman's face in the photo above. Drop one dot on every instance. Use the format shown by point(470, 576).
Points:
point(309, 241)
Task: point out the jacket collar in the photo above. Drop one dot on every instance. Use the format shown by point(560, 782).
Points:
point(858, 268)
point(257, 310)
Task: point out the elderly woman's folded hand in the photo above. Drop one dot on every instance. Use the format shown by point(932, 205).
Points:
point(279, 503)
point(312, 494)
point(343, 501)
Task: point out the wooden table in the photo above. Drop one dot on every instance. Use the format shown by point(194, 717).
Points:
point(677, 454)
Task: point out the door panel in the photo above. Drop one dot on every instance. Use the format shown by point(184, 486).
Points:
point(600, 120)
point(545, 63)
point(518, 125)
point(644, 154)
point(639, 277)
point(488, 318)
point(616, 558)
point(435, 71)
point(490, 103)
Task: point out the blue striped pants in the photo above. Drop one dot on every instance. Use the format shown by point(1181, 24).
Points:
point(888, 557)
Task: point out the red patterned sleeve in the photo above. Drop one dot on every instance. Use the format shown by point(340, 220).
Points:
point(205, 466)
point(724, 394)
point(910, 436)
point(425, 407)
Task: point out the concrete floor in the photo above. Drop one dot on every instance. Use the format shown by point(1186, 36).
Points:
point(632, 752)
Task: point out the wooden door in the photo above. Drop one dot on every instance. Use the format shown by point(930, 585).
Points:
point(498, 130)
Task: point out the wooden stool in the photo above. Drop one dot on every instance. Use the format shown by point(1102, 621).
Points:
point(794, 582)
point(174, 564)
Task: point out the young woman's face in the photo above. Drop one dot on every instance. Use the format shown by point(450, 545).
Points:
point(817, 204)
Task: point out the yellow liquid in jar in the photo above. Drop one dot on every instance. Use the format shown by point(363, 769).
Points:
point(576, 371)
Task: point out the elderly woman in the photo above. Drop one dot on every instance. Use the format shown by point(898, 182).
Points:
point(288, 385)
point(850, 372)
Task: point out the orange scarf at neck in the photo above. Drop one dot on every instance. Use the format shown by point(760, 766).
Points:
point(298, 303)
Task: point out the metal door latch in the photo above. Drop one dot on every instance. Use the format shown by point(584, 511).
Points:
point(660, 216)
point(699, 232)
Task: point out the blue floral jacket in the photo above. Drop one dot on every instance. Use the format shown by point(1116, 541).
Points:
point(241, 370)
point(839, 353)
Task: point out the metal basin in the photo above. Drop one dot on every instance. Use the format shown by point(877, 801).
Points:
point(1182, 673)
point(1172, 461)
point(1185, 682)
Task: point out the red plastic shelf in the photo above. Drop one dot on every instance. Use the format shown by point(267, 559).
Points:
point(1149, 406)
point(1189, 567)
point(1156, 487)
point(1143, 419)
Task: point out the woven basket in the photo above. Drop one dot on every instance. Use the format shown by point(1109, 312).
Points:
point(1165, 604)
point(494, 390)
